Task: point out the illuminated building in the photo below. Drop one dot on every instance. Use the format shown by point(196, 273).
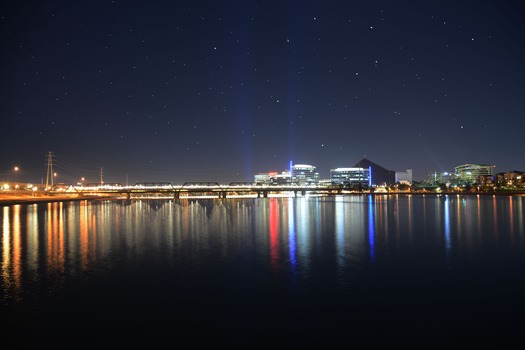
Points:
point(304, 174)
point(404, 176)
point(273, 178)
point(349, 176)
point(379, 176)
point(513, 178)
point(281, 179)
point(469, 173)
point(436, 178)
point(264, 178)
point(299, 174)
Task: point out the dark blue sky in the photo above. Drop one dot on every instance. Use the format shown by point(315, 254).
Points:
point(220, 90)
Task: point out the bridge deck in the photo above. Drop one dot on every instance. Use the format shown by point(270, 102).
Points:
point(198, 188)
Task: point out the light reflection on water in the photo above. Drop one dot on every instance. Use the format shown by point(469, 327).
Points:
point(304, 246)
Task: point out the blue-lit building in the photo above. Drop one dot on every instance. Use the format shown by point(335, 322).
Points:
point(349, 176)
point(379, 176)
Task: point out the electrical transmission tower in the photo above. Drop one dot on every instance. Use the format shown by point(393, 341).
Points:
point(49, 175)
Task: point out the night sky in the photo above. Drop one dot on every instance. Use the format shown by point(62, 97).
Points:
point(218, 91)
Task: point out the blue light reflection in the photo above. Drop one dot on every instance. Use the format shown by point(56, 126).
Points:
point(292, 244)
point(371, 227)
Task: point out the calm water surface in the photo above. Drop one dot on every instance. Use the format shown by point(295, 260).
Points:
point(345, 270)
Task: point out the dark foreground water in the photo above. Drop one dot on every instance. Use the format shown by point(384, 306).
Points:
point(357, 271)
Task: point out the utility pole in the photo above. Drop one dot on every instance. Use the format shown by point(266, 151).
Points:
point(49, 174)
point(101, 175)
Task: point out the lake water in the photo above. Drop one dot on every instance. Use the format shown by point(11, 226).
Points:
point(354, 270)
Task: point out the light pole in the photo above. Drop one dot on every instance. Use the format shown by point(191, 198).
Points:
point(15, 187)
point(16, 169)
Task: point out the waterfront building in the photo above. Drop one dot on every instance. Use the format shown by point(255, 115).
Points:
point(379, 176)
point(469, 173)
point(510, 179)
point(441, 178)
point(325, 182)
point(404, 177)
point(299, 174)
point(273, 178)
point(264, 178)
point(283, 178)
point(349, 176)
point(304, 174)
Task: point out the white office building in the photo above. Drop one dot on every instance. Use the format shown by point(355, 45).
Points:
point(350, 176)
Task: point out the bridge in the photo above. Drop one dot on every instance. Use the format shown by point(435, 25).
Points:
point(196, 189)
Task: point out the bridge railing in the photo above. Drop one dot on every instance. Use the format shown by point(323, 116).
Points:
point(242, 184)
point(166, 185)
point(200, 184)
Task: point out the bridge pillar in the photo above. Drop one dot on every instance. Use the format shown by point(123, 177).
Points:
point(128, 195)
point(175, 195)
point(222, 194)
point(265, 194)
point(303, 193)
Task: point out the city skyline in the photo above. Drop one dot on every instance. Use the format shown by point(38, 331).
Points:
point(63, 173)
point(221, 91)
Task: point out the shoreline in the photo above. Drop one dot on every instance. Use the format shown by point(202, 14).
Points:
point(15, 200)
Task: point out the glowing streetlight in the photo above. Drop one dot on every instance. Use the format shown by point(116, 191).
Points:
point(16, 169)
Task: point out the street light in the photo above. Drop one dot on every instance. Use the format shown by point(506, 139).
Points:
point(16, 168)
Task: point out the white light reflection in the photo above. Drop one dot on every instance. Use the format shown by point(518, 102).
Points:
point(303, 233)
point(32, 239)
point(340, 231)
